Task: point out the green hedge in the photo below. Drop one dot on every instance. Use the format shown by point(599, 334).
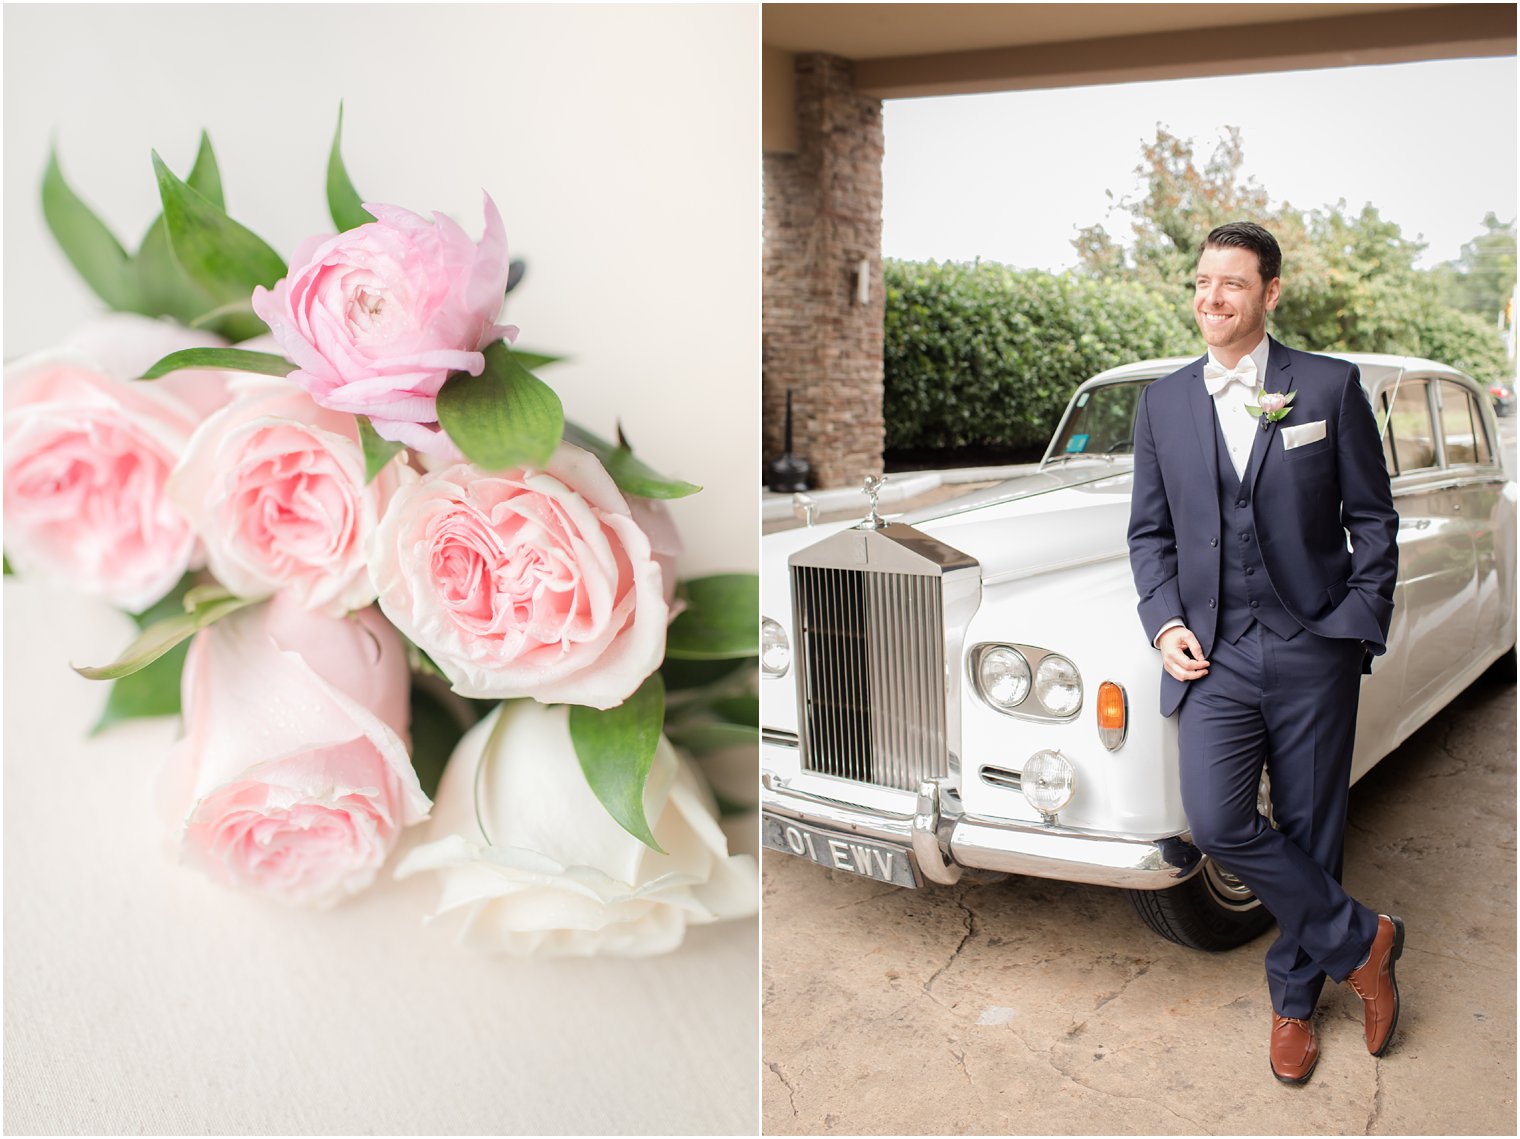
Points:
point(983, 355)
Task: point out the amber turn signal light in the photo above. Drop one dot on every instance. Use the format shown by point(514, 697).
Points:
point(1113, 715)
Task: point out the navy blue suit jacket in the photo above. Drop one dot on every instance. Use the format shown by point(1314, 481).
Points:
point(1305, 501)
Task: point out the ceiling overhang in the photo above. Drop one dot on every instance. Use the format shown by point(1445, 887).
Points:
point(915, 50)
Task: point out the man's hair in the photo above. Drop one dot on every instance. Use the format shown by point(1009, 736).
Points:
point(1248, 235)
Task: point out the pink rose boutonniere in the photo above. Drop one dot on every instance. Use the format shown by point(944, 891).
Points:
point(378, 317)
point(1270, 406)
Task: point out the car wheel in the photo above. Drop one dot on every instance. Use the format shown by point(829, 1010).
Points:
point(1212, 910)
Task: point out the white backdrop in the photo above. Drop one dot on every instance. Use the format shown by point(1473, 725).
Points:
point(621, 144)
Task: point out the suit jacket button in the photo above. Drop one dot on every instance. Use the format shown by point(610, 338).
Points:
point(1213, 541)
point(1211, 603)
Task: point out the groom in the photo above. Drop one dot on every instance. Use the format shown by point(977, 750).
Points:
point(1252, 467)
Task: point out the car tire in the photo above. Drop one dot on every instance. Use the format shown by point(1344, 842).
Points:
point(1212, 911)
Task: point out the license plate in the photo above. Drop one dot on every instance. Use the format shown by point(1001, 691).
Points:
point(879, 860)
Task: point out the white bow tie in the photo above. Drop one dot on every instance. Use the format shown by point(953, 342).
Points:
point(1216, 377)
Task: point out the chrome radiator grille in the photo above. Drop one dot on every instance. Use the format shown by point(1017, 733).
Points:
point(871, 674)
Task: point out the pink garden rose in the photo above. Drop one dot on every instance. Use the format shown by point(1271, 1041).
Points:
point(88, 451)
point(376, 318)
point(275, 487)
point(524, 583)
point(1271, 401)
point(293, 777)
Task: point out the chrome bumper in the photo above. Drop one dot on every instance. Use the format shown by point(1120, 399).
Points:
point(943, 841)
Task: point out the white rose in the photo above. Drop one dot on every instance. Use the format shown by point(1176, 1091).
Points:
point(552, 874)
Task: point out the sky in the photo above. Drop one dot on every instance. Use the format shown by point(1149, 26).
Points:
point(1011, 177)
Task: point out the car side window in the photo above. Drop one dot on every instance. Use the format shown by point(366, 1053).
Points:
point(1461, 426)
point(1410, 428)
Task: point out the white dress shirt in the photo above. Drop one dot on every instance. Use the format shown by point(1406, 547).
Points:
point(1235, 421)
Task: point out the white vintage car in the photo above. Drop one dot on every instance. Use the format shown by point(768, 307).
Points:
point(967, 688)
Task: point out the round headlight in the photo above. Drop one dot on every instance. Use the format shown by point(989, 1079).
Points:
point(1058, 685)
point(775, 650)
point(1002, 674)
point(1048, 781)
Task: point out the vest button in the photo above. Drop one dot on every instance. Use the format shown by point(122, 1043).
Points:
point(1213, 541)
point(1250, 570)
point(1253, 605)
point(1240, 504)
point(1211, 603)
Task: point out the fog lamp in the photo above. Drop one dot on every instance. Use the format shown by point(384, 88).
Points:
point(1058, 685)
point(775, 649)
point(1002, 675)
point(1048, 781)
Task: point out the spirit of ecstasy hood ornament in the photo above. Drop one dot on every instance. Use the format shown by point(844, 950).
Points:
point(871, 490)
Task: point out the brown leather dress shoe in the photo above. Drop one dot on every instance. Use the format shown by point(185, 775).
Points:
point(1375, 983)
point(1295, 1049)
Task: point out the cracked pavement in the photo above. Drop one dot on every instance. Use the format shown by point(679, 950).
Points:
point(1039, 1007)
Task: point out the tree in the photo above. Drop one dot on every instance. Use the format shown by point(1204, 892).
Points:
point(1349, 280)
point(1482, 279)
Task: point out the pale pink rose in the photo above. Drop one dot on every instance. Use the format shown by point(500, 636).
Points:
point(376, 318)
point(1271, 401)
point(665, 546)
point(293, 777)
point(88, 451)
point(275, 487)
point(524, 583)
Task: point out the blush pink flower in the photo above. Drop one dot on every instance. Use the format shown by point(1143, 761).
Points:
point(275, 487)
point(524, 583)
point(88, 452)
point(1270, 402)
point(293, 777)
point(376, 318)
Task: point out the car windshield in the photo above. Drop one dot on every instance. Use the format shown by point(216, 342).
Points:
point(1102, 422)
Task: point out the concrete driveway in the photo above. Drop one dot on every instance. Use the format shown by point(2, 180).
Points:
point(1037, 1007)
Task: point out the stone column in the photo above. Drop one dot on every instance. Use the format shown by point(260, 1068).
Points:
point(822, 219)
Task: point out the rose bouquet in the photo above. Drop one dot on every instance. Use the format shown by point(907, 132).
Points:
point(381, 577)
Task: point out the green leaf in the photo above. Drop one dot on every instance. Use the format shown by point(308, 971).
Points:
point(221, 256)
point(152, 690)
point(235, 359)
point(87, 242)
point(435, 732)
point(8, 570)
point(631, 475)
point(166, 288)
point(161, 636)
point(206, 176)
point(343, 201)
point(504, 417)
point(721, 618)
point(534, 360)
point(616, 750)
point(685, 675)
point(738, 709)
point(377, 451)
point(703, 736)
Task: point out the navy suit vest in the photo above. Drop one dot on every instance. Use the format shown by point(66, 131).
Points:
point(1245, 591)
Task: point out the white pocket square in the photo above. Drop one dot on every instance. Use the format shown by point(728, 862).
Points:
point(1303, 433)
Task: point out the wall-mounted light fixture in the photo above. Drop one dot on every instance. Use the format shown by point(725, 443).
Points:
point(863, 281)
